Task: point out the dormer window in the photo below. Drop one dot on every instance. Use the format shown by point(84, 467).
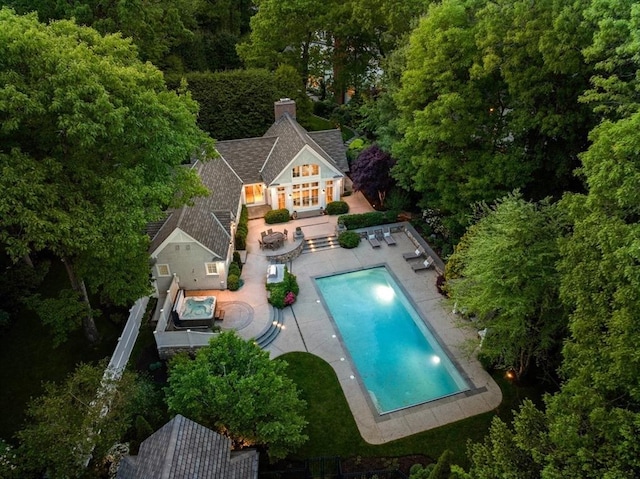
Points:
point(306, 170)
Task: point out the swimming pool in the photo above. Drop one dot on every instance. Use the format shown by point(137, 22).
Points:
point(400, 362)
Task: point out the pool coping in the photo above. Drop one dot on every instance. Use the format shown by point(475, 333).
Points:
point(383, 416)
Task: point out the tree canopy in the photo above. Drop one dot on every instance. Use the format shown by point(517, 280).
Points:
point(90, 145)
point(504, 273)
point(234, 388)
point(371, 173)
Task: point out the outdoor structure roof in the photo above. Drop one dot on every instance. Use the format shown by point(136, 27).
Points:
point(291, 139)
point(209, 219)
point(183, 449)
point(247, 156)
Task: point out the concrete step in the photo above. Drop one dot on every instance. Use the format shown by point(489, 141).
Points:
point(271, 332)
point(320, 243)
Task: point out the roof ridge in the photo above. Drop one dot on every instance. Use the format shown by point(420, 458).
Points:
point(171, 446)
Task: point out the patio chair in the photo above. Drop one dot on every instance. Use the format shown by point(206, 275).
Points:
point(417, 254)
point(373, 241)
point(388, 238)
point(263, 234)
point(426, 264)
point(261, 244)
point(269, 231)
point(285, 233)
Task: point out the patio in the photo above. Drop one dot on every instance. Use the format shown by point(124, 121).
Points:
point(307, 326)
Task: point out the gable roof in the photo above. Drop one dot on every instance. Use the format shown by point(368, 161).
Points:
point(247, 156)
point(184, 449)
point(208, 220)
point(291, 139)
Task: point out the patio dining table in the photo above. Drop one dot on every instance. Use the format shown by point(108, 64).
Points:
point(273, 240)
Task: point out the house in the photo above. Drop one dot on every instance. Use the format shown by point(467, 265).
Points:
point(288, 167)
point(183, 449)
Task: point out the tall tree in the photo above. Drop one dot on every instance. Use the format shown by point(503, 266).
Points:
point(371, 173)
point(57, 438)
point(234, 388)
point(509, 281)
point(90, 145)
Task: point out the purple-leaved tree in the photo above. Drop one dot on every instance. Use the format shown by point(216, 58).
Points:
point(370, 173)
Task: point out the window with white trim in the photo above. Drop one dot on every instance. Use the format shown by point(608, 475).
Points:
point(212, 268)
point(306, 170)
point(163, 270)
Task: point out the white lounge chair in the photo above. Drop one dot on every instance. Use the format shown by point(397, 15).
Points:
point(413, 255)
point(426, 264)
point(388, 238)
point(373, 241)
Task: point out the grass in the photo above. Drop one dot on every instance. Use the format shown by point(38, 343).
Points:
point(332, 430)
point(28, 358)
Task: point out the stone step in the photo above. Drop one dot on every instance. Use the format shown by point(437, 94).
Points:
point(320, 243)
point(271, 332)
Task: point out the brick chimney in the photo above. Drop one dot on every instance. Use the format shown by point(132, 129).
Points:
point(284, 105)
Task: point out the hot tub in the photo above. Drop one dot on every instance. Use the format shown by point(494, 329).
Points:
point(193, 311)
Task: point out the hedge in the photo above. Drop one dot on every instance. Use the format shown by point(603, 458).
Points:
point(337, 208)
point(242, 230)
point(277, 216)
point(233, 282)
point(365, 220)
point(234, 269)
point(349, 239)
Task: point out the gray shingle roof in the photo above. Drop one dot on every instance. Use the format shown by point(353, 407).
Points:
point(331, 142)
point(183, 449)
point(209, 219)
point(291, 139)
point(246, 156)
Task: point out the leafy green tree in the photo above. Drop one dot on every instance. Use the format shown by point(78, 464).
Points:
point(506, 452)
point(234, 388)
point(90, 144)
point(154, 27)
point(60, 432)
point(509, 281)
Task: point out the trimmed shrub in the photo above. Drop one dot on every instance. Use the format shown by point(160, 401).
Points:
point(277, 216)
point(237, 260)
point(284, 293)
point(349, 239)
point(233, 282)
point(365, 220)
point(242, 231)
point(234, 270)
point(337, 208)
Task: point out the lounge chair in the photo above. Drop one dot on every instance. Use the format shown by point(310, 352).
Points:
point(388, 238)
point(417, 254)
point(426, 264)
point(373, 241)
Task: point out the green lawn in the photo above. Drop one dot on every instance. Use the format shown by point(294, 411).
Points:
point(333, 432)
point(28, 358)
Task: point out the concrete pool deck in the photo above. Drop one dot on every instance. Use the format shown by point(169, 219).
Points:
point(308, 327)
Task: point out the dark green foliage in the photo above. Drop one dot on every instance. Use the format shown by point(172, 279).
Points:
point(277, 216)
point(349, 239)
point(233, 104)
point(365, 220)
point(279, 292)
point(237, 260)
point(337, 208)
point(143, 429)
point(241, 233)
point(442, 469)
point(234, 388)
point(238, 103)
point(234, 269)
point(233, 282)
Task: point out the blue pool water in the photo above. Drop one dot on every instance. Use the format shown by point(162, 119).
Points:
point(397, 357)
